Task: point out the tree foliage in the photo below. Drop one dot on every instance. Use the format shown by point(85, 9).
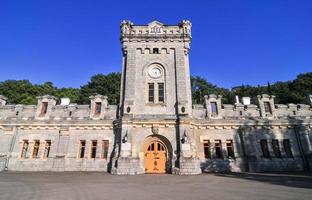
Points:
point(24, 92)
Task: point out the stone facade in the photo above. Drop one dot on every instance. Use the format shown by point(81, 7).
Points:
point(156, 105)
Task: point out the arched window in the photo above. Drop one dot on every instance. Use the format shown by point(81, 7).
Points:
point(155, 79)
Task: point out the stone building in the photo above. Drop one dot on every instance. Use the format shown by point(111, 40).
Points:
point(155, 128)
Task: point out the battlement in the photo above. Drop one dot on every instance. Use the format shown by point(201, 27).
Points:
point(263, 107)
point(47, 110)
point(154, 31)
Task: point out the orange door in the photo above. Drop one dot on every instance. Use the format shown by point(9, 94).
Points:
point(155, 158)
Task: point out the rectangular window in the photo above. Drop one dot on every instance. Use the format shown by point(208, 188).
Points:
point(276, 149)
point(47, 149)
point(44, 108)
point(267, 107)
point(93, 149)
point(82, 148)
point(151, 92)
point(98, 107)
point(36, 149)
point(155, 50)
point(265, 148)
point(105, 146)
point(207, 151)
point(230, 148)
point(218, 147)
point(24, 149)
point(214, 108)
point(287, 148)
point(161, 93)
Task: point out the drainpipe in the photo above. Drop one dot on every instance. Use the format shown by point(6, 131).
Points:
point(6, 166)
point(303, 156)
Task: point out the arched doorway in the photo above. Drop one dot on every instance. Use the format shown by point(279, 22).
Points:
point(155, 157)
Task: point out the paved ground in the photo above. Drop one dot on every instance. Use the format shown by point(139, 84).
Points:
point(70, 185)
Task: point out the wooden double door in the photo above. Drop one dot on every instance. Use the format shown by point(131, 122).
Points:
point(155, 158)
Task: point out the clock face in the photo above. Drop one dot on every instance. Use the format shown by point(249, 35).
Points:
point(155, 72)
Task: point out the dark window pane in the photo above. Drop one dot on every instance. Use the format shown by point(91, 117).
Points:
point(218, 147)
point(214, 108)
point(276, 149)
point(267, 107)
point(161, 92)
point(44, 108)
point(264, 148)
point(207, 151)
point(230, 148)
point(98, 107)
point(151, 92)
point(286, 144)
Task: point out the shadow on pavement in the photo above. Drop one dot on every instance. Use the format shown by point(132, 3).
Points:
point(298, 180)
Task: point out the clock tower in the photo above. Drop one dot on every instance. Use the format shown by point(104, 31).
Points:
point(156, 100)
point(155, 74)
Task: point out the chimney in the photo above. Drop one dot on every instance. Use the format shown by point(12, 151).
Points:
point(65, 101)
point(246, 101)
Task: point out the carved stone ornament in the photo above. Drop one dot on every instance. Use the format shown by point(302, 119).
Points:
point(155, 130)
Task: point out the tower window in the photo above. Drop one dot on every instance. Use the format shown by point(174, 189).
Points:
point(287, 148)
point(93, 149)
point(36, 149)
point(214, 108)
point(267, 107)
point(207, 151)
point(276, 149)
point(98, 107)
point(82, 148)
point(44, 108)
point(265, 148)
point(155, 51)
point(230, 148)
point(161, 93)
point(218, 147)
point(151, 92)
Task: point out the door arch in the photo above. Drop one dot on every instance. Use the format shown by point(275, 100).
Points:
point(155, 157)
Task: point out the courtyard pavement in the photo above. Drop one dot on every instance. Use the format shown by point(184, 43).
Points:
point(92, 186)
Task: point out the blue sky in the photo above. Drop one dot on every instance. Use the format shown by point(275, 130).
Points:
point(234, 41)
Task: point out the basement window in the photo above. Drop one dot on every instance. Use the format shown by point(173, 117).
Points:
point(105, 147)
point(82, 148)
point(47, 148)
point(93, 149)
point(287, 148)
point(207, 151)
point(24, 149)
point(36, 149)
point(265, 148)
point(230, 148)
point(276, 149)
point(218, 147)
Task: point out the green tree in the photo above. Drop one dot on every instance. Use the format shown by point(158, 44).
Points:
point(108, 85)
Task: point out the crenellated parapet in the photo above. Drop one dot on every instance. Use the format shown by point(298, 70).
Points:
point(261, 107)
point(155, 32)
point(47, 109)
